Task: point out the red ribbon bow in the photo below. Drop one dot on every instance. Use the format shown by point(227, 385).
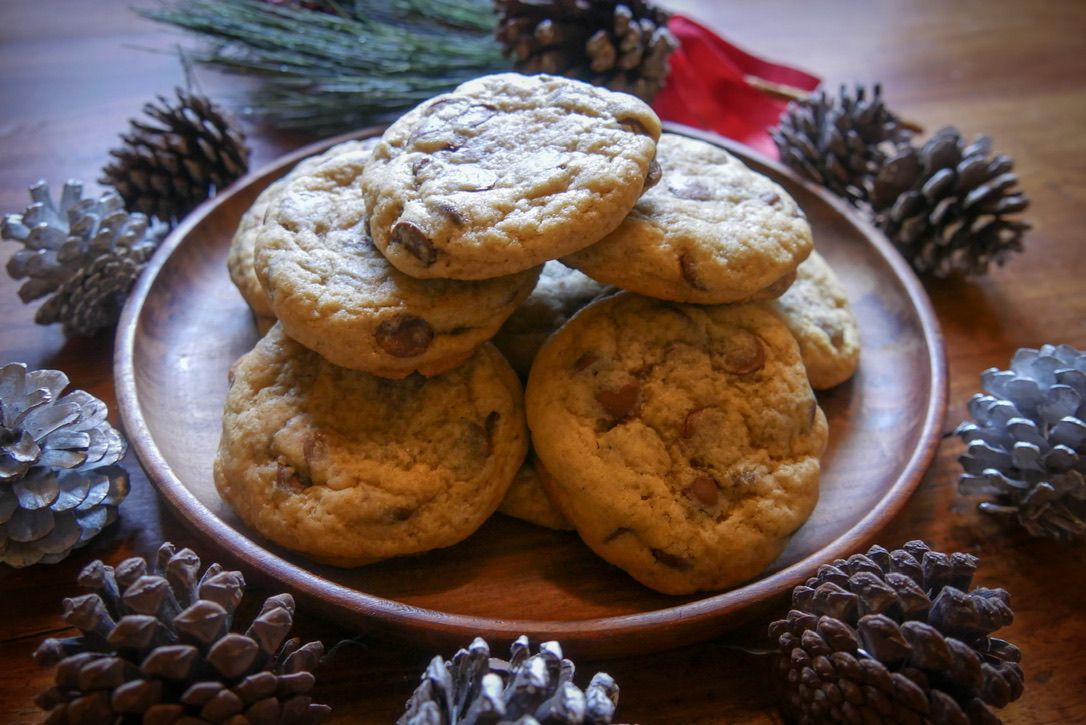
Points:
point(708, 87)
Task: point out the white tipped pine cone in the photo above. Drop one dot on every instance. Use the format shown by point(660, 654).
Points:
point(1027, 446)
point(59, 486)
point(474, 687)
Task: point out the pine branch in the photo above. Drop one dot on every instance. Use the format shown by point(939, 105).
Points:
point(335, 70)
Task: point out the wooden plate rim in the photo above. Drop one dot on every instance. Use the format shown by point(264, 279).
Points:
point(359, 607)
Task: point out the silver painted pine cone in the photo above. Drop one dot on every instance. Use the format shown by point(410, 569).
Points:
point(84, 254)
point(527, 689)
point(1027, 446)
point(59, 486)
point(155, 646)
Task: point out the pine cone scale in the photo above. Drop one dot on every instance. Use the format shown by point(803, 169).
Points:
point(624, 46)
point(185, 153)
point(902, 660)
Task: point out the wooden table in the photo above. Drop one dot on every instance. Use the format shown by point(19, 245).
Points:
point(73, 71)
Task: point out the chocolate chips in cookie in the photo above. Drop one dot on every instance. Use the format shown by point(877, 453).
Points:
point(682, 441)
point(505, 173)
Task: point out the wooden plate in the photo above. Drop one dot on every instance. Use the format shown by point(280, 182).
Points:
point(185, 324)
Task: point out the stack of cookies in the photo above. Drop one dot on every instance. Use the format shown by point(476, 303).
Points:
point(668, 359)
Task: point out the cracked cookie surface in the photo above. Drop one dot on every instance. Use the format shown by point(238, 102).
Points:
point(711, 231)
point(239, 259)
point(506, 172)
point(817, 312)
point(348, 468)
point(681, 441)
point(334, 292)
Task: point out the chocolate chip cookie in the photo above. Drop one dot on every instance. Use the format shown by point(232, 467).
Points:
point(682, 441)
point(336, 294)
point(817, 312)
point(558, 294)
point(348, 468)
point(239, 260)
point(711, 231)
point(528, 500)
point(506, 172)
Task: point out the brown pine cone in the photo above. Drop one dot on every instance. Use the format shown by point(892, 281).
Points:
point(621, 45)
point(948, 205)
point(184, 154)
point(896, 637)
point(156, 646)
point(840, 142)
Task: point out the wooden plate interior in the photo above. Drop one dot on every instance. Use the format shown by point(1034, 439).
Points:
point(185, 324)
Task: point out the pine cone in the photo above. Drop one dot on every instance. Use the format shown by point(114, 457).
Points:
point(158, 647)
point(185, 154)
point(1028, 445)
point(839, 142)
point(87, 254)
point(58, 485)
point(623, 46)
point(895, 637)
point(946, 205)
point(527, 690)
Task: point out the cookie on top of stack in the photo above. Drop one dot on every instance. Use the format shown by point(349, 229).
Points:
point(672, 424)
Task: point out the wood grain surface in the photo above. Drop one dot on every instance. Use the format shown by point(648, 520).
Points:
point(73, 71)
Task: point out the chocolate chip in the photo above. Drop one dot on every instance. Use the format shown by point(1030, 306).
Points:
point(653, 177)
point(490, 425)
point(769, 197)
point(744, 353)
point(689, 272)
point(404, 336)
point(634, 125)
point(415, 241)
point(778, 288)
point(478, 114)
point(419, 165)
point(704, 491)
point(449, 211)
point(690, 423)
point(287, 479)
point(584, 361)
point(670, 560)
point(690, 189)
point(617, 533)
point(619, 402)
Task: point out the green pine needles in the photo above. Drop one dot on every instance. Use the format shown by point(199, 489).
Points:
point(329, 66)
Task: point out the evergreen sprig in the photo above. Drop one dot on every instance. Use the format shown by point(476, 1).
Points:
point(338, 69)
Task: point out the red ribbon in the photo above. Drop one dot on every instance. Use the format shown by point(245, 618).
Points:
point(707, 87)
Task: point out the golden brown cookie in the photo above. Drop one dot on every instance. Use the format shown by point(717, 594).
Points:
point(506, 172)
point(348, 468)
point(558, 294)
point(682, 441)
point(239, 260)
point(527, 499)
point(817, 312)
point(711, 231)
point(336, 294)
